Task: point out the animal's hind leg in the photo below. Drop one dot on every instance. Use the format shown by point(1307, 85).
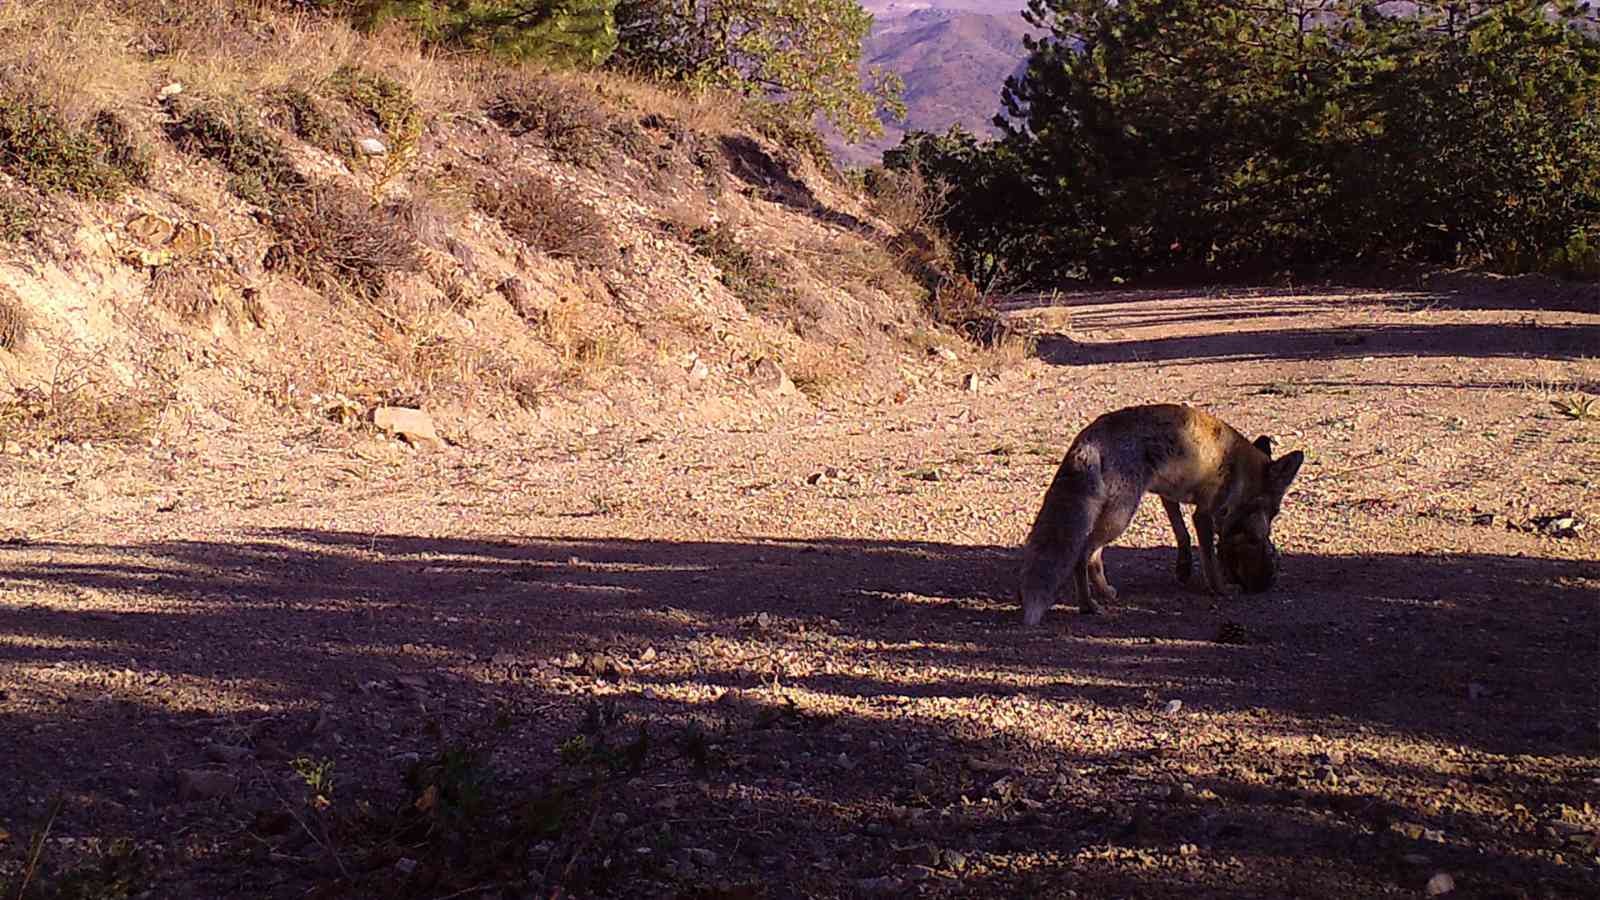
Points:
point(1102, 590)
point(1181, 532)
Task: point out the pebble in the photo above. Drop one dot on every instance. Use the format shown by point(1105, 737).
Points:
point(1440, 884)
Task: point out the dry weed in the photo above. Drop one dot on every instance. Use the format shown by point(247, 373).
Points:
point(13, 320)
point(80, 403)
point(564, 117)
point(332, 238)
point(906, 200)
point(535, 211)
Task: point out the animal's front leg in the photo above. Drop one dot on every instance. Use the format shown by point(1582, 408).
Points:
point(1209, 566)
point(1181, 532)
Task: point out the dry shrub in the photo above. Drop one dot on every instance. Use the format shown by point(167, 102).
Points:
point(564, 118)
point(196, 292)
point(534, 211)
point(123, 150)
point(13, 321)
point(906, 200)
point(332, 238)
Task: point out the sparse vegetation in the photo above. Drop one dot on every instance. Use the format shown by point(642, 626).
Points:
point(13, 321)
point(305, 116)
point(18, 219)
point(759, 282)
point(563, 117)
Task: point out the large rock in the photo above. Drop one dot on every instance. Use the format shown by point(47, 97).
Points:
point(412, 425)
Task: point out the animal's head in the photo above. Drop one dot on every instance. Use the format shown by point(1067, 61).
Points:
point(1244, 521)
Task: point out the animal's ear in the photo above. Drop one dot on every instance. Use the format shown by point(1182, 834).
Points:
point(1264, 444)
point(1281, 471)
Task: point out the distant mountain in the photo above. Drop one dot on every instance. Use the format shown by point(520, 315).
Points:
point(954, 55)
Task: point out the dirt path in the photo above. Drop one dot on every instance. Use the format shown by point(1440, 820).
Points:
point(1417, 704)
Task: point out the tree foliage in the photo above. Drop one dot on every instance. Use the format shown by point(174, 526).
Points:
point(806, 53)
point(561, 32)
point(1173, 135)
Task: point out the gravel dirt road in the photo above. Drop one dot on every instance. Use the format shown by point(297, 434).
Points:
point(824, 606)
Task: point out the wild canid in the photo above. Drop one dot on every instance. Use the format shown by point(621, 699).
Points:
point(1182, 455)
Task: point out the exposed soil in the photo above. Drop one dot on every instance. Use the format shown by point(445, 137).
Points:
point(1415, 707)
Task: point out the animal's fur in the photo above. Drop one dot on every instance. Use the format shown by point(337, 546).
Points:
point(1181, 454)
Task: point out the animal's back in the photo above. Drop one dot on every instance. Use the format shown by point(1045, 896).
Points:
point(1172, 450)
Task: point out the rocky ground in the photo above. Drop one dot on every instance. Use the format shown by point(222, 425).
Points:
point(229, 650)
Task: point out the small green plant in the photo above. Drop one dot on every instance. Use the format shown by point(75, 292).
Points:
point(260, 167)
point(317, 775)
point(1581, 407)
point(42, 151)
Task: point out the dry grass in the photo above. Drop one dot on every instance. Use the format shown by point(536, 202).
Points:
point(13, 321)
point(80, 402)
point(906, 200)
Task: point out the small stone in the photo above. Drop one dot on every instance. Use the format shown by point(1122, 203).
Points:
point(619, 819)
point(1416, 859)
point(1173, 707)
point(412, 425)
point(171, 90)
point(1440, 884)
point(201, 784)
point(955, 860)
point(405, 865)
point(1187, 850)
point(944, 353)
point(12, 448)
point(914, 874)
point(1410, 829)
point(371, 147)
point(1326, 775)
point(699, 371)
point(971, 383)
point(1332, 758)
point(763, 620)
point(649, 655)
point(769, 376)
point(1433, 834)
point(705, 859)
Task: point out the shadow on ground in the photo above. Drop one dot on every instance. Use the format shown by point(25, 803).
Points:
point(294, 642)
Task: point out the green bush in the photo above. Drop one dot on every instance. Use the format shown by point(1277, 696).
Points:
point(564, 32)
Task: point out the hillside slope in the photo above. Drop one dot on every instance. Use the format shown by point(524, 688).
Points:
point(235, 216)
